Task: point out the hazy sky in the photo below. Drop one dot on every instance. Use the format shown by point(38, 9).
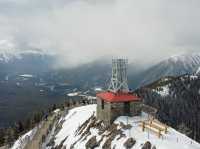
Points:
point(84, 30)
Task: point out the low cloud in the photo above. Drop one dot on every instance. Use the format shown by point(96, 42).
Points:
point(81, 31)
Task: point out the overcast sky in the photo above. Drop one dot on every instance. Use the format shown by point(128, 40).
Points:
point(84, 30)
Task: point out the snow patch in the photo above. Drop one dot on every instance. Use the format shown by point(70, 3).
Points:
point(193, 77)
point(56, 111)
point(163, 91)
point(98, 89)
point(73, 94)
point(26, 75)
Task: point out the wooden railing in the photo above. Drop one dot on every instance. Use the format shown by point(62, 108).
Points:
point(154, 126)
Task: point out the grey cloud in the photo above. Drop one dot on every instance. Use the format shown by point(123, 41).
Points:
point(84, 30)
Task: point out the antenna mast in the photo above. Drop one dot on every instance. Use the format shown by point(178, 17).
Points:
point(119, 76)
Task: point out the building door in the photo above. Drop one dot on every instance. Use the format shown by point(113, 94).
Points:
point(127, 108)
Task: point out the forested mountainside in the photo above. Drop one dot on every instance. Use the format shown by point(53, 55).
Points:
point(178, 102)
point(172, 66)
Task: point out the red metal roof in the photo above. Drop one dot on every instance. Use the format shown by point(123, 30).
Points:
point(117, 97)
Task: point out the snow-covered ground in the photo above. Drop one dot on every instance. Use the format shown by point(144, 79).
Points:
point(73, 120)
point(171, 140)
point(77, 116)
point(23, 140)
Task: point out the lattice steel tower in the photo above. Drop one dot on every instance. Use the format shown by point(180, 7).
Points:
point(119, 81)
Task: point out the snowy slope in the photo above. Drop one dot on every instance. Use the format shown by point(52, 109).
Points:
point(171, 140)
point(80, 126)
point(173, 66)
point(73, 120)
point(198, 71)
point(22, 140)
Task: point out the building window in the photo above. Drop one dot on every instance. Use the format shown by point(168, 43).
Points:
point(102, 104)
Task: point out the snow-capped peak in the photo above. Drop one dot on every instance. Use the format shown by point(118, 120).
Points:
point(198, 71)
point(9, 51)
point(185, 58)
point(173, 66)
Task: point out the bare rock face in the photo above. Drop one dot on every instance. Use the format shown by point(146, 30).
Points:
point(130, 142)
point(147, 145)
point(92, 143)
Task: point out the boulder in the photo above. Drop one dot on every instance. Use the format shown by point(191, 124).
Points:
point(130, 142)
point(147, 145)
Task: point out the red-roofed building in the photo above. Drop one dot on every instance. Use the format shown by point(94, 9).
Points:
point(112, 105)
point(117, 101)
point(118, 97)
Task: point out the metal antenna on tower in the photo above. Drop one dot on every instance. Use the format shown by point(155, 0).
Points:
point(119, 76)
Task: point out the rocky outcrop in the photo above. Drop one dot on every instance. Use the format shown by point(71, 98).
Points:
point(130, 142)
point(92, 143)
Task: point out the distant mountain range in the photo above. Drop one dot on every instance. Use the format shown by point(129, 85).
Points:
point(96, 73)
point(173, 66)
point(26, 62)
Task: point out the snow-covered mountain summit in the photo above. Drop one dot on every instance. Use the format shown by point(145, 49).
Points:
point(9, 52)
point(187, 59)
point(80, 129)
point(173, 66)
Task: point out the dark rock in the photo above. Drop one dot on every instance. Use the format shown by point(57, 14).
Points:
point(147, 145)
point(125, 127)
point(51, 142)
point(92, 143)
point(130, 142)
point(61, 144)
